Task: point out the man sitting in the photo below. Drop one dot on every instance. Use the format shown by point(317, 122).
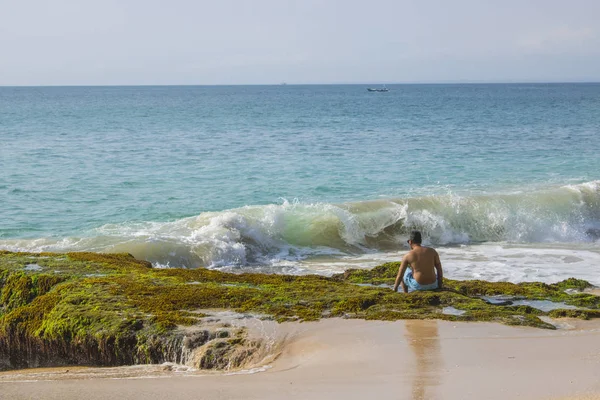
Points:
point(423, 262)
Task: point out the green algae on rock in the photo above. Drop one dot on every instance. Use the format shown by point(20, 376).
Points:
point(111, 309)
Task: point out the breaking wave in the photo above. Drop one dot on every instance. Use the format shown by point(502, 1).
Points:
point(264, 235)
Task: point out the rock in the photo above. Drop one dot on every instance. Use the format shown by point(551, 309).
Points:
point(111, 309)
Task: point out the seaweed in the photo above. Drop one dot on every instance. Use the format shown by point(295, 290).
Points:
point(111, 309)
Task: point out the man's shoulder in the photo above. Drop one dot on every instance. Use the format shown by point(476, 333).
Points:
point(430, 249)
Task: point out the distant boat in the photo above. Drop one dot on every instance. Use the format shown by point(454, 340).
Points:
point(382, 89)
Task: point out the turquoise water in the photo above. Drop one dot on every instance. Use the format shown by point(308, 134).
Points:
point(255, 176)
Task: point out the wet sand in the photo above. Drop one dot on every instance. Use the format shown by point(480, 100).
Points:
point(352, 359)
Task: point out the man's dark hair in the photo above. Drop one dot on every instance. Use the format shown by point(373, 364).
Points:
point(415, 237)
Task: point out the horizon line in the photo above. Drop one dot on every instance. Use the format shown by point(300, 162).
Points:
point(312, 84)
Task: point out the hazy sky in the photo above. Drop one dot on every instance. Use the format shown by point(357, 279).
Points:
point(97, 42)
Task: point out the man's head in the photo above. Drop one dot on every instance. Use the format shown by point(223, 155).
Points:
point(415, 238)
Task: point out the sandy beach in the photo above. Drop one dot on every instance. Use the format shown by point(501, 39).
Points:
point(354, 359)
point(218, 200)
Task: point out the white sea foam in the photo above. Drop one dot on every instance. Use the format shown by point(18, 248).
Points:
point(298, 238)
point(496, 262)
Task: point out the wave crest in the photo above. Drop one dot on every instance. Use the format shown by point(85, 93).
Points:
point(270, 234)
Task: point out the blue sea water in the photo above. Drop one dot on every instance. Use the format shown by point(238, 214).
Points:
point(300, 178)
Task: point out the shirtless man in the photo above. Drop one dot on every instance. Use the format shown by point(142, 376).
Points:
point(423, 263)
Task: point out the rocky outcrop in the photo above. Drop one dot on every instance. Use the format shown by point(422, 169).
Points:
point(111, 309)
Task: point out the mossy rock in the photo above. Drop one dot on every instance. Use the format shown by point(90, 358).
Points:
point(381, 274)
point(111, 309)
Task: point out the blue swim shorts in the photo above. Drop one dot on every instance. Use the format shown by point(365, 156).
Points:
point(413, 285)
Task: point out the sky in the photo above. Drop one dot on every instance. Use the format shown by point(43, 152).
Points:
point(198, 42)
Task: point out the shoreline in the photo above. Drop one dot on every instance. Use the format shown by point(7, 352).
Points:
point(284, 336)
point(114, 310)
point(351, 359)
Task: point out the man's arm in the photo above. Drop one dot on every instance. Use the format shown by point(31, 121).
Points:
point(438, 268)
point(400, 277)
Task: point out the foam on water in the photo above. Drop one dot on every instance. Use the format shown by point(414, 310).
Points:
point(499, 262)
point(541, 235)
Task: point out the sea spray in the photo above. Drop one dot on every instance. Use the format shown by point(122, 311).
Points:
point(292, 231)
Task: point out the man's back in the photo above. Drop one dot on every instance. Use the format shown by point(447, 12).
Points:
point(422, 261)
point(425, 267)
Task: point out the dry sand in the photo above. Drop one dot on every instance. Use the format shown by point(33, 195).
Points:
point(352, 359)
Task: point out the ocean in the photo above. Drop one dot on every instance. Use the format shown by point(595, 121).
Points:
point(502, 179)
